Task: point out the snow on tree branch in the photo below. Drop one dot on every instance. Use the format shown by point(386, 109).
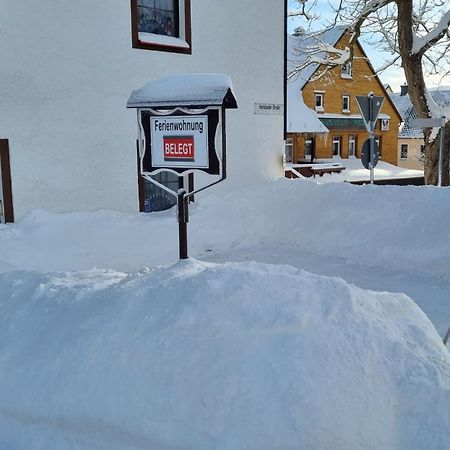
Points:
point(369, 8)
point(422, 43)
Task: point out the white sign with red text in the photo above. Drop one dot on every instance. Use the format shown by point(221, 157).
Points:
point(179, 141)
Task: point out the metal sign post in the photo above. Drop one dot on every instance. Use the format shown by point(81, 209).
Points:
point(183, 220)
point(441, 152)
point(434, 123)
point(2, 215)
point(370, 107)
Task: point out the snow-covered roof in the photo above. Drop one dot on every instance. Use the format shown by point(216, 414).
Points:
point(407, 111)
point(300, 118)
point(198, 89)
point(296, 55)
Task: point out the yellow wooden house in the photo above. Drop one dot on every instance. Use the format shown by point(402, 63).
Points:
point(331, 94)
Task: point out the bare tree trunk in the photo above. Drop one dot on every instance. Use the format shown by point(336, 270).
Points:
point(446, 174)
point(431, 164)
point(412, 66)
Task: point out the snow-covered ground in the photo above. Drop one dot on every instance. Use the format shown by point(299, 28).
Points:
point(354, 171)
point(106, 342)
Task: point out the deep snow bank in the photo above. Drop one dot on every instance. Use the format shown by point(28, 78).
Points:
point(399, 227)
point(201, 356)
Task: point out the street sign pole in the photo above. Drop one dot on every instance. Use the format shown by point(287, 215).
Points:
point(371, 138)
point(182, 223)
point(441, 152)
point(370, 107)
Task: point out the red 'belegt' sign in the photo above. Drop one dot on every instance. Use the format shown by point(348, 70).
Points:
point(179, 148)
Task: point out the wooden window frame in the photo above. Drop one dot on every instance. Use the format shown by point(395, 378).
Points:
point(384, 124)
point(308, 154)
point(352, 138)
point(404, 156)
point(346, 96)
point(289, 149)
point(379, 141)
point(155, 46)
point(422, 152)
point(6, 181)
point(347, 73)
point(338, 140)
point(321, 95)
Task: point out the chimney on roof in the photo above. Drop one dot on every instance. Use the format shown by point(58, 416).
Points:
point(403, 89)
point(299, 31)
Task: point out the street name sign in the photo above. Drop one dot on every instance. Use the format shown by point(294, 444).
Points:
point(427, 123)
point(269, 108)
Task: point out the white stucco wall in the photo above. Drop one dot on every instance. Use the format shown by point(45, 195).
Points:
point(67, 69)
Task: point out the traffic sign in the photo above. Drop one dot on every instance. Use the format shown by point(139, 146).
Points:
point(365, 154)
point(370, 107)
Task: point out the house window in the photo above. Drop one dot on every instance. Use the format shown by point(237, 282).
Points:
point(319, 101)
point(345, 103)
point(384, 124)
point(157, 199)
point(289, 149)
point(163, 25)
point(308, 148)
point(336, 146)
point(351, 146)
point(422, 152)
point(378, 141)
point(346, 70)
point(404, 151)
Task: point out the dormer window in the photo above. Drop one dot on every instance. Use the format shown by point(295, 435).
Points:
point(162, 25)
point(346, 70)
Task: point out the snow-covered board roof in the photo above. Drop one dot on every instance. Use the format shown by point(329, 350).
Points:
point(407, 111)
point(301, 119)
point(296, 55)
point(198, 89)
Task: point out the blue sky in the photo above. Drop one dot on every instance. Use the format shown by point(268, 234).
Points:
point(393, 76)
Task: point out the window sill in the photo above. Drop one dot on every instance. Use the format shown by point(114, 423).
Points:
point(149, 41)
point(347, 77)
point(319, 109)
